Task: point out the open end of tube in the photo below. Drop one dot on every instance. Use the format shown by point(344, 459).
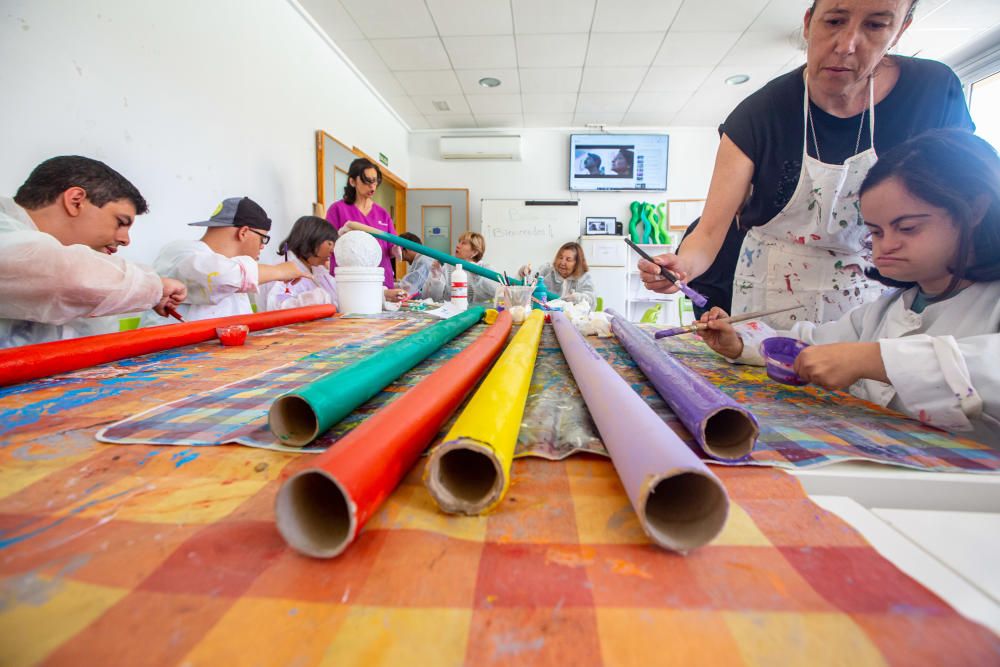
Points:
point(730, 434)
point(464, 480)
point(313, 515)
point(293, 421)
point(686, 511)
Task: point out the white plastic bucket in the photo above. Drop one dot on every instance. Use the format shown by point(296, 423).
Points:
point(359, 289)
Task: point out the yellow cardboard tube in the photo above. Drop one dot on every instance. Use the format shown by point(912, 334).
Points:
point(469, 472)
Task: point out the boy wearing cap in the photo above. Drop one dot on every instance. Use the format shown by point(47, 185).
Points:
point(221, 268)
point(58, 236)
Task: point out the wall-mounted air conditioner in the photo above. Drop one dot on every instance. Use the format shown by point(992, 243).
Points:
point(506, 147)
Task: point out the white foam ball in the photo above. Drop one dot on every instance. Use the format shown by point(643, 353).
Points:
point(357, 248)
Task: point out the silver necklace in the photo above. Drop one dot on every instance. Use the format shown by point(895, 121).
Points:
point(812, 128)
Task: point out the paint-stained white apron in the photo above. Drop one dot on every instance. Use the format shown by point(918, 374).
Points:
point(811, 253)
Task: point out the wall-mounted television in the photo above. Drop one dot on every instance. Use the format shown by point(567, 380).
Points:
point(618, 161)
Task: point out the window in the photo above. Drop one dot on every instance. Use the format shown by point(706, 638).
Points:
point(984, 105)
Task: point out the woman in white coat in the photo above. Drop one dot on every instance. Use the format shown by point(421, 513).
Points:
point(929, 348)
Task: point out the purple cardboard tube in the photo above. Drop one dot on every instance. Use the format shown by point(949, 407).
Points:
point(723, 428)
point(681, 505)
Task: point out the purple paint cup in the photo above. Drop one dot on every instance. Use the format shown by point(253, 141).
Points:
point(779, 355)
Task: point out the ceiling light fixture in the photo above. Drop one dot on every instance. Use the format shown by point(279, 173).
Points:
point(441, 105)
point(489, 82)
point(737, 79)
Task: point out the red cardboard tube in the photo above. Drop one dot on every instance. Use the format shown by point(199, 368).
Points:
point(321, 509)
point(30, 362)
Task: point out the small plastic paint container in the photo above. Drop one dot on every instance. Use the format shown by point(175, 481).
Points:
point(779, 356)
point(235, 334)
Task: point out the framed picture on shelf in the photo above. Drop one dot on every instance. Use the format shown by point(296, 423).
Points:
point(600, 226)
point(682, 212)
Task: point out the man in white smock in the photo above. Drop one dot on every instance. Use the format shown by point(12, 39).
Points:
point(220, 270)
point(59, 235)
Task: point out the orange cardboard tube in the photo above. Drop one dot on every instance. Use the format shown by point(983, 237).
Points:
point(321, 509)
point(30, 362)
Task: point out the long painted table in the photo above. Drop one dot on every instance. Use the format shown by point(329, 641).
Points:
point(155, 555)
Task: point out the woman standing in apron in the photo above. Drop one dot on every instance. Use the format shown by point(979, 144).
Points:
point(802, 144)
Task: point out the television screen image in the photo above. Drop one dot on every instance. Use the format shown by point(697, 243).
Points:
point(618, 162)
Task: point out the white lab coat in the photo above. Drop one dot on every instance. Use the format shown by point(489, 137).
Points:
point(279, 295)
point(47, 289)
point(943, 364)
point(582, 285)
point(217, 285)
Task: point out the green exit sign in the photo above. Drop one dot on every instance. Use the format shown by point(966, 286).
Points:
point(383, 158)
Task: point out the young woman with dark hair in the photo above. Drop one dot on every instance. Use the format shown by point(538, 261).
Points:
point(930, 348)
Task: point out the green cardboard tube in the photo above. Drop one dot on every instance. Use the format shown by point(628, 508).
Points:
point(442, 257)
point(299, 417)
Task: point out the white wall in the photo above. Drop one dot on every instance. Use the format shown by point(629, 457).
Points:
point(543, 172)
point(191, 101)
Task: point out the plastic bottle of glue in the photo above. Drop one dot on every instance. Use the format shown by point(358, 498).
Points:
point(459, 288)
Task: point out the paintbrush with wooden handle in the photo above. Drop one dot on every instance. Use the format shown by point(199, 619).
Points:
point(701, 326)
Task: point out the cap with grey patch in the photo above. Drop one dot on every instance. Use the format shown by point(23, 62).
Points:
point(237, 212)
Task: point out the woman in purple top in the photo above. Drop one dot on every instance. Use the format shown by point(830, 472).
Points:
point(363, 177)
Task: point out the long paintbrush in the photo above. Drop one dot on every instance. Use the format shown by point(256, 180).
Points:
point(701, 326)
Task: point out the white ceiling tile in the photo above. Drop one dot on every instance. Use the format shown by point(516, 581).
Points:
point(620, 50)
point(494, 104)
point(624, 15)
point(548, 119)
point(549, 102)
point(417, 122)
point(925, 8)
point(551, 50)
point(674, 79)
point(482, 17)
point(500, 120)
point(660, 103)
point(412, 54)
point(551, 80)
point(603, 118)
point(456, 105)
point(384, 82)
point(933, 44)
point(963, 15)
point(703, 110)
point(361, 53)
point(403, 105)
point(717, 15)
point(552, 16)
point(481, 51)
point(693, 49)
point(652, 119)
point(716, 84)
point(782, 16)
point(612, 79)
point(433, 82)
point(333, 18)
point(469, 78)
point(385, 19)
point(451, 122)
point(762, 48)
point(602, 103)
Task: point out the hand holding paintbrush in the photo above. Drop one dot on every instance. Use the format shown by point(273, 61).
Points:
point(697, 298)
point(701, 326)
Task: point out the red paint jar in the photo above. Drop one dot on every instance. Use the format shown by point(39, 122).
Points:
point(235, 334)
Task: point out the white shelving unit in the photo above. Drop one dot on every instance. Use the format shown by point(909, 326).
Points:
point(638, 299)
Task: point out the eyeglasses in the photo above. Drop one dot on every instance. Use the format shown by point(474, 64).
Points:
point(369, 181)
point(264, 238)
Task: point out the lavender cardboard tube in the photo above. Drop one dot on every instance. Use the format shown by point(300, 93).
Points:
point(723, 428)
point(681, 505)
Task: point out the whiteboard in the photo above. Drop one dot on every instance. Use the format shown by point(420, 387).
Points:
point(527, 232)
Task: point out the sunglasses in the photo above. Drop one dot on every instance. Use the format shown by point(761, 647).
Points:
point(264, 238)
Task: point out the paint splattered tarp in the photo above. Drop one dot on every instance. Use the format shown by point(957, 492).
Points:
point(800, 427)
point(555, 423)
point(150, 556)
